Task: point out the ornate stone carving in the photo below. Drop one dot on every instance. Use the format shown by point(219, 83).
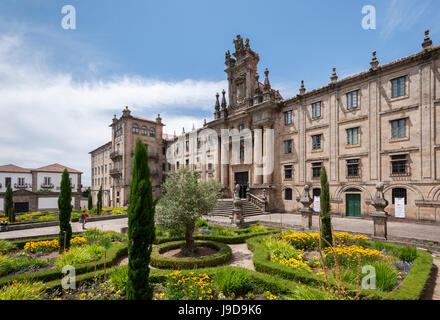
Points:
point(379, 215)
point(306, 211)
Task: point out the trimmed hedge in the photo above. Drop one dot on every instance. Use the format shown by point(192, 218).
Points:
point(261, 281)
point(223, 255)
point(114, 254)
point(411, 288)
point(243, 235)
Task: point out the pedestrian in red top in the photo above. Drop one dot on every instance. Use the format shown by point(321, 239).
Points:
point(83, 219)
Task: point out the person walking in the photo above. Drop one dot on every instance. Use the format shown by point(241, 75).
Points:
point(83, 219)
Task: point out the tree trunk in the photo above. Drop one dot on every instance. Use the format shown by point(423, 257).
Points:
point(189, 240)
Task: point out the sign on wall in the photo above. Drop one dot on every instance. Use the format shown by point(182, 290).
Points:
point(399, 207)
point(317, 203)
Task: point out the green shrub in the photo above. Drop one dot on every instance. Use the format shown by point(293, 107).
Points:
point(235, 281)
point(160, 261)
point(80, 255)
point(9, 264)
point(408, 254)
point(159, 232)
point(174, 233)
point(386, 276)
point(22, 291)
point(201, 223)
point(257, 228)
point(6, 246)
point(119, 277)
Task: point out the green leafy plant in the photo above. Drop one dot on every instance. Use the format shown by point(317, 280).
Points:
point(235, 281)
point(6, 246)
point(325, 214)
point(386, 276)
point(186, 200)
point(119, 277)
point(79, 255)
point(22, 291)
point(9, 204)
point(408, 253)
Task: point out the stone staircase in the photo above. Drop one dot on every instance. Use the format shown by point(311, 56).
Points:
point(225, 206)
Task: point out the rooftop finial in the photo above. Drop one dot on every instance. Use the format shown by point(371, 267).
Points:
point(183, 130)
point(204, 122)
point(427, 42)
point(223, 100)
point(302, 90)
point(266, 80)
point(158, 119)
point(374, 62)
point(334, 76)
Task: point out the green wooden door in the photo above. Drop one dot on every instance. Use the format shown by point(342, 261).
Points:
point(353, 205)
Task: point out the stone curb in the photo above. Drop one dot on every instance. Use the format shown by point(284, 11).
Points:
point(57, 223)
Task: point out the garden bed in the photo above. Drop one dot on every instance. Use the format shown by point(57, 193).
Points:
point(222, 255)
point(395, 279)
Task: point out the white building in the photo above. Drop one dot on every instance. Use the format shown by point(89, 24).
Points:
point(37, 189)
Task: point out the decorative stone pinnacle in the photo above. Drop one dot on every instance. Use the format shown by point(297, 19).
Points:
point(334, 76)
point(223, 99)
point(158, 119)
point(266, 80)
point(183, 130)
point(204, 122)
point(427, 42)
point(217, 102)
point(302, 90)
point(374, 62)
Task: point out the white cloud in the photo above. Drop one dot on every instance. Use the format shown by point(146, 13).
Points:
point(402, 15)
point(47, 117)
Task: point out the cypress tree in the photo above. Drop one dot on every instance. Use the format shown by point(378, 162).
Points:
point(141, 228)
point(325, 214)
point(99, 204)
point(64, 211)
point(9, 204)
point(89, 198)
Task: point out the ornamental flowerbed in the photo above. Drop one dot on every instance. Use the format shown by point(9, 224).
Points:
point(297, 256)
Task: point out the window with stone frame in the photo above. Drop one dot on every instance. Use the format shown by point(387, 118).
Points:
point(288, 171)
point(398, 128)
point(144, 131)
point(135, 129)
point(288, 146)
point(399, 193)
point(353, 168)
point(21, 181)
point(316, 110)
point(316, 169)
point(399, 165)
point(353, 136)
point(316, 142)
point(288, 117)
point(352, 99)
point(398, 87)
point(187, 145)
point(152, 132)
point(288, 194)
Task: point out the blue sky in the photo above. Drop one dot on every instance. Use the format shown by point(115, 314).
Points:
point(168, 57)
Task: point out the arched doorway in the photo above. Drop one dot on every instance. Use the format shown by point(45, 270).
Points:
point(353, 203)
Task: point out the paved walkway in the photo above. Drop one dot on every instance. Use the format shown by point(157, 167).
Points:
point(241, 256)
point(397, 230)
point(108, 225)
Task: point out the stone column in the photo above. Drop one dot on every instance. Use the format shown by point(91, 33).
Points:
point(237, 211)
point(258, 156)
point(224, 158)
point(379, 215)
point(306, 211)
point(268, 155)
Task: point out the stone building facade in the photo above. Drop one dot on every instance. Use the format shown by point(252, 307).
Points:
point(379, 125)
point(37, 189)
point(111, 163)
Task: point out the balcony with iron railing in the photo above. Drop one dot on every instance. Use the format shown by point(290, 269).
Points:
point(22, 185)
point(400, 169)
point(115, 155)
point(47, 186)
point(115, 172)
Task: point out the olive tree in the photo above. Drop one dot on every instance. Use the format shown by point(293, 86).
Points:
point(185, 200)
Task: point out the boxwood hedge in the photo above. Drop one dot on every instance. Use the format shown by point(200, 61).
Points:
point(411, 288)
point(160, 261)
